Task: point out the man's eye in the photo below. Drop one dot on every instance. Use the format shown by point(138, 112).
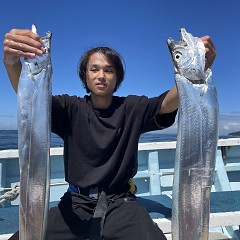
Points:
point(109, 71)
point(93, 70)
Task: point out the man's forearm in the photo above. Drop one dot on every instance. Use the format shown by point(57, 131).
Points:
point(14, 71)
point(170, 102)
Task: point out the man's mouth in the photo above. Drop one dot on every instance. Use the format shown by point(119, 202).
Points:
point(101, 84)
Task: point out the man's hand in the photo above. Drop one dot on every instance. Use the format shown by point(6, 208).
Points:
point(21, 43)
point(210, 51)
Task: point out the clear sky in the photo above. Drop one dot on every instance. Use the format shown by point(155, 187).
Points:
point(138, 30)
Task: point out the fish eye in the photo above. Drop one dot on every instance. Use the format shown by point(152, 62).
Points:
point(177, 57)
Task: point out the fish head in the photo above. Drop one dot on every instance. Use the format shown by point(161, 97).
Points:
point(40, 63)
point(188, 56)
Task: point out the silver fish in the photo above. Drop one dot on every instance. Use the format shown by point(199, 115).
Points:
point(34, 129)
point(197, 138)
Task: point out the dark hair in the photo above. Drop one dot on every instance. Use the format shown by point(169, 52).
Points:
point(111, 56)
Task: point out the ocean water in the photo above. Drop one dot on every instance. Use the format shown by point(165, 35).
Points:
point(9, 139)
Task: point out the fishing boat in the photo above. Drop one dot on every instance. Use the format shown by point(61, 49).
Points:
point(154, 181)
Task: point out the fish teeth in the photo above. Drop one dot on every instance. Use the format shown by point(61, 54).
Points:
point(34, 28)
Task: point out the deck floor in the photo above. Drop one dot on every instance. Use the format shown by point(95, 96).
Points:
point(212, 236)
point(216, 236)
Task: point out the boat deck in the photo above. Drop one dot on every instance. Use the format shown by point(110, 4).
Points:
point(223, 205)
point(154, 181)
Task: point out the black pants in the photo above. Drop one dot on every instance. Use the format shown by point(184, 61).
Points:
point(125, 219)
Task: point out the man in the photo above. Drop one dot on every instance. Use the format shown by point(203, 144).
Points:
point(100, 133)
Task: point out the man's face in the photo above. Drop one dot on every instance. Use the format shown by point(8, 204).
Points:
point(101, 75)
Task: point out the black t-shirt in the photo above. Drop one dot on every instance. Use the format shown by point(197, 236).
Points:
point(101, 145)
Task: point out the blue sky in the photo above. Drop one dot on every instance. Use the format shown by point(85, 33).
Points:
point(138, 31)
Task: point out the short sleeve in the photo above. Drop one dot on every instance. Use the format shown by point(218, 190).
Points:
point(61, 106)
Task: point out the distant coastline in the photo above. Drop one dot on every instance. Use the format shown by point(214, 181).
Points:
point(234, 134)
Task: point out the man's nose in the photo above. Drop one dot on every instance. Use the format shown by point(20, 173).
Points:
point(101, 74)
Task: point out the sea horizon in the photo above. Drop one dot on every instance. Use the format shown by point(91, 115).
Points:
point(9, 138)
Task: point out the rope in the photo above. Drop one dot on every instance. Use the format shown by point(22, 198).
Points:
point(13, 193)
point(10, 195)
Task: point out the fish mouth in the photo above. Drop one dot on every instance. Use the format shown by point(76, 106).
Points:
point(184, 41)
point(192, 65)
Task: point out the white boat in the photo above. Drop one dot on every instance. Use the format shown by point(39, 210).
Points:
point(154, 182)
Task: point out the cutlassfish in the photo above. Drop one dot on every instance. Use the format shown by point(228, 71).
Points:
point(197, 138)
point(34, 130)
